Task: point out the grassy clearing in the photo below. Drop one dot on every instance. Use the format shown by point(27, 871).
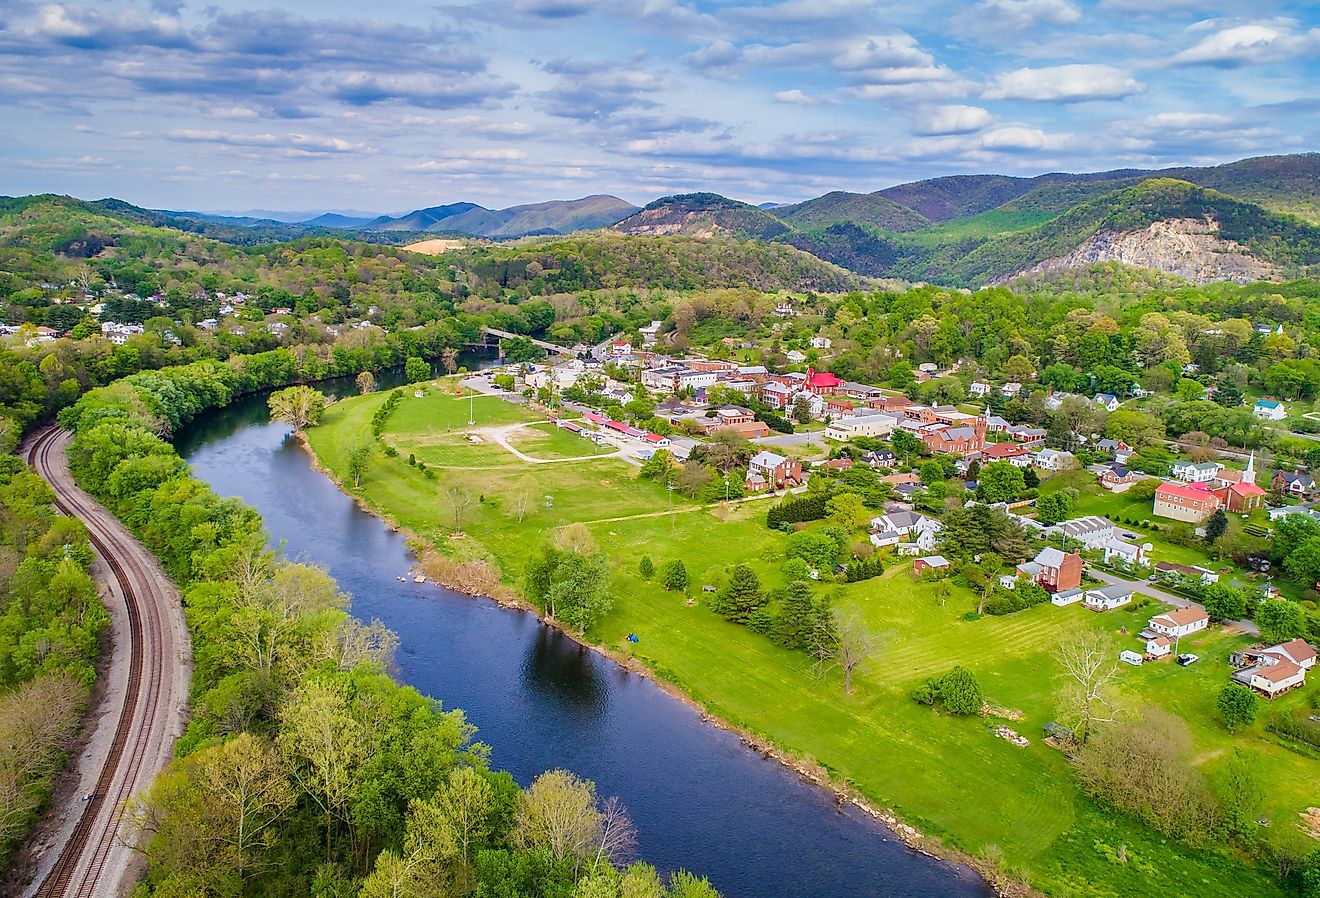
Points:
point(550, 442)
point(950, 777)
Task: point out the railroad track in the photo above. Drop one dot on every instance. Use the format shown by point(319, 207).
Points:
point(134, 749)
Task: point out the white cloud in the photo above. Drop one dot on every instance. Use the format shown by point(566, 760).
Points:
point(1248, 44)
point(796, 97)
point(952, 119)
point(1064, 84)
point(1027, 13)
point(1181, 121)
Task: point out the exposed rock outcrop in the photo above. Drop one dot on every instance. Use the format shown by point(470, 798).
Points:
point(1186, 247)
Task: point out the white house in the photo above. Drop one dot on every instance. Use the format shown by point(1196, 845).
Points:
point(1180, 622)
point(1053, 460)
point(821, 342)
point(1269, 409)
point(905, 526)
point(1126, 552)
point(1196, 472)
point(1010, 389)
point(1275, 670)
point(1066, 597)
point(1107, 598)
point(978, 389)
point(1108, 401)
point(1092, 531)
point(1159, 646)
point(795, 356)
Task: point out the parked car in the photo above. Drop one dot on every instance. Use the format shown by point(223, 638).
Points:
point(1185, 660)
point(1129, 536)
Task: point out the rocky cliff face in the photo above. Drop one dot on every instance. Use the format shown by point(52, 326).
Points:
point(1186, 247)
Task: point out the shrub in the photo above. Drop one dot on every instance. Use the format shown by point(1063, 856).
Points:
point(1238, 706)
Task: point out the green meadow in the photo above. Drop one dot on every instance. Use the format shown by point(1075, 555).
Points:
point(952, 778)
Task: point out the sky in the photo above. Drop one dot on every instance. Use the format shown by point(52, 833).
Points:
point(390, 105)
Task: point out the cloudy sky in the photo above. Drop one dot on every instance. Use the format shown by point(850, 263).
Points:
point(391, 105)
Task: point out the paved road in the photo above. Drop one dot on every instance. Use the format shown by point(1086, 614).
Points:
point(1146, 588)
point(83, 849)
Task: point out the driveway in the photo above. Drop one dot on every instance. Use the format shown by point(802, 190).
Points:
point(1150, 589)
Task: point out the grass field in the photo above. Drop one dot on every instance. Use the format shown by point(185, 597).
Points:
point(949, 777)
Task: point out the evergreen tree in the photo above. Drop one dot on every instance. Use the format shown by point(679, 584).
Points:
point(674, 576)
point(1216, 527)
point(740, 596)
point(645, 567)
point(959, 692)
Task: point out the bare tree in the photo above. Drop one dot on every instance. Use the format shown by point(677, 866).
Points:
point(1089, 659)
point(848, 644)
point(524, 495)
point(449, 359)
point(460, 500)
point(366, 383)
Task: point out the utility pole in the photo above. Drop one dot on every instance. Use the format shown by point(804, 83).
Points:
point(669, 487)
point(472, 418)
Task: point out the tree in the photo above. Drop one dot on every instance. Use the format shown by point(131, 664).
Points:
point(740, 596)
point(323, 747)
point(1030, 478)
point(571, 584)
point(1053, 507)
point(366, 383)
point(1238, 706)
point(300, 406)
point(959, 692)
point(1216, 527)
point(523, 498)
point(932, 472)
point(1240, 789)
point(801, 410)
point(449, 359)
point(846, 644)
point(1224, 602)
point(1000, 481)
point(416, 369)
point(560, 815)
point(674, 576)
point(357, 460)
point(660, 466)
point(1089, 661)
point(211, 816)
point(460, 500)
point(645, 567)
point(1280, 620)
point(848, 511)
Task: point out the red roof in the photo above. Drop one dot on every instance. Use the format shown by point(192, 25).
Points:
point(1004, 450)
point(1246, 489)
point(822, 379)
point(655, 438)
point(1194, 492)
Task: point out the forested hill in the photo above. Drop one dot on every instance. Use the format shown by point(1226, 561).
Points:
point(50, 239)
point(1250, 220)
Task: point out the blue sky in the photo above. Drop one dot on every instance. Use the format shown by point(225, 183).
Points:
point(392, 105)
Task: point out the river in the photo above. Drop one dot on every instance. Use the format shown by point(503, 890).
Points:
point(699, 797)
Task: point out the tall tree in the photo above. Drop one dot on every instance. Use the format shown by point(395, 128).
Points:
point(300, 406)
point(740, 596)
point(1089, 661)
point(848, 645)
point(366, 383)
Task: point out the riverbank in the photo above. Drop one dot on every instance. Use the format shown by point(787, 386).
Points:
point(1028, 816)
point(454, 575)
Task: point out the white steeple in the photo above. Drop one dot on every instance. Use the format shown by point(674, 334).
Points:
point(1249, 475)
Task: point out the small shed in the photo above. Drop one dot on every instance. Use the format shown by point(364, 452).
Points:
point(1127, 656)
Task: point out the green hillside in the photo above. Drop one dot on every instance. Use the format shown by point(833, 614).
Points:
point(856, 208)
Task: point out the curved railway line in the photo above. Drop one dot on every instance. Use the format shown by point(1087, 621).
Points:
point(142, 713)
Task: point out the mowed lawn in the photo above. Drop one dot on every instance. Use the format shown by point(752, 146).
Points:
point(949, 777)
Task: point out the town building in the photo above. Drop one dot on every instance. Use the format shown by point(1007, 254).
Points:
point(873, 424)
point(1092, 531)
point(1276, 669)
point(1054, 569)
point(1192, 503)
point(1015, 454)
point(1196, 472)
point(1054, 460)
point(1299, 484)
point(1107, 598)
point(769, 471)
point(1117, 479)
point(1269, 410)
point(1179, 622)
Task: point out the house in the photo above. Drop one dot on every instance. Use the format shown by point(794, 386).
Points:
point(880, 458)
point(1196, 472)
point(854, 390)
point(929, 563)
point(795, 357)
point(1015, 454)
point(1173, 570)
point(978, 389)
point(1054, 460)
point(774, 471)
point(1010, 389)
point(1159, 647)
point(1092, 531)
point(1117, 479)
point(1192, 503)
point(905, 526)
point(1066, 597)
point(821, 342)
point(1274, 670)
point(621, 347)
point(1299, 484)
point(1053, 569)
point(1180, 622)
point(1027, 436)
point(872, 424)
point(1111, 446)
point(1126, 552)
point(1269, 409)
point(1107, 598)
point(1108, 401)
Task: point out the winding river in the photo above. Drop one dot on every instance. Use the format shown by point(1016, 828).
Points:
point(699, 797)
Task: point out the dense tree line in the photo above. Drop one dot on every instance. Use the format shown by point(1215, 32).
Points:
point(51, 619)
